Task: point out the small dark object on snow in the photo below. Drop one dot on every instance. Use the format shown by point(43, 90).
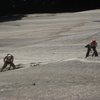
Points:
point(34, 84)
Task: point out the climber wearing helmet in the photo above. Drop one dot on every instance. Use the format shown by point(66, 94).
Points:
point(8, 60)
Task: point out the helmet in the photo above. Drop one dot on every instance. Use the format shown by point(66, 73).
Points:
point(9, 55)
point(93, 40)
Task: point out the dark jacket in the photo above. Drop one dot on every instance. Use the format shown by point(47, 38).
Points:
point(9, 59)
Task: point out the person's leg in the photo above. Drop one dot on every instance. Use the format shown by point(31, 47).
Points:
point(88, 51)
point(12, 64)
point(4, 66)
point(95, 51)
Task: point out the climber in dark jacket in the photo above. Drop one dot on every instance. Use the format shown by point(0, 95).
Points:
point(8, 60)
point(88, 46)
point(92, 47)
